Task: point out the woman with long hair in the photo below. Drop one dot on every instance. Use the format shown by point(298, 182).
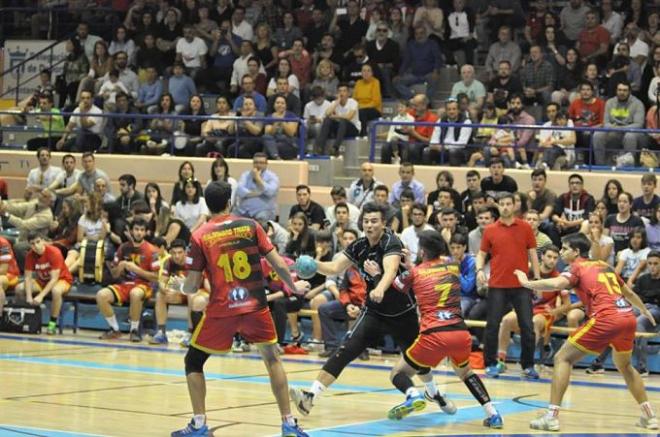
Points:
point(186, 171)
point(611, 195)
point(122, 43)
point(368, 95)
point(568, 77)
point(192, 209)
point(91, 227)
point(289, 32)
point(653, 230)
point(75, 69)
point(220, 172)
point(280, 137)
point(284, 70)
point(217, 132)
point(601, 245)
point(264, 48)
point(158, 206)
point(161, 128)
point(63, 230)
point(399, 27)
point(191, 128)
point(326, 78)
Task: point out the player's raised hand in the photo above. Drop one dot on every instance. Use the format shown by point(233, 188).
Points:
point(372, 268)
point(522, 278)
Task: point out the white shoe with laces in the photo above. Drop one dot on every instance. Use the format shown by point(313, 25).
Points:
point(648, 423)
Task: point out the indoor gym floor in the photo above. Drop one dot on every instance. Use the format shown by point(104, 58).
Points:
point(77, 386)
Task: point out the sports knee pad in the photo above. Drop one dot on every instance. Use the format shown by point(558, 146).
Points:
point(195, 360)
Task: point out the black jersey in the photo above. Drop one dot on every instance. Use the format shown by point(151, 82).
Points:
point(394, 302)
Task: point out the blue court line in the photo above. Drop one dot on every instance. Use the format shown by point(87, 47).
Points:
point(294, 361)
point(21, 431)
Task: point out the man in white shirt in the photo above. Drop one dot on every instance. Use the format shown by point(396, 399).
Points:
point(191, 50)
point(240, 66)
point(88, 130)
point(450, 141)
point(338, 194)
point(611, 20)
point(66, 178)
point(87, 41)
point(361, 190)
point(558, 146)
point(239, 26)
point(126, 75)
point(314, 112)
point(410, 235)
point(639, 50)
point(41, 177)
point(341, 120)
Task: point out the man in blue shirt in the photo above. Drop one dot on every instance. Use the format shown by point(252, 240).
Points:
point(149, 92)
point(422, 61)
point(407, 175)
point(468, 265)
point(247, 85)
point(257, 191)
point(181, 87)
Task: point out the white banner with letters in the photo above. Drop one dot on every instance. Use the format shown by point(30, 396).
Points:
point(15, 52)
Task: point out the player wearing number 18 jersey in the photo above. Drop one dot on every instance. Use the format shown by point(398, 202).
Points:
point(443, 333)
point(229, 250)
point(607, 300)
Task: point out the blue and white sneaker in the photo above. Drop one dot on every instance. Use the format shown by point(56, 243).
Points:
point(495, 421)
point(530, 373)
point(412, 403)
point(185, 341)
point(159, 338)
point(446, 405)
point(191, 431)
point(493, 371)
point(293, 430)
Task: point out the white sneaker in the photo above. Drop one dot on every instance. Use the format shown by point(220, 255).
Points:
point(650, 423)
point(545, 423)
point(625, 160)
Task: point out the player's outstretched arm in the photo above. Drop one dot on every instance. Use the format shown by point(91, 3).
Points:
point(282, 270)
point(558, 283)
point(335, 267)
point(632, 297)
point(193, 279)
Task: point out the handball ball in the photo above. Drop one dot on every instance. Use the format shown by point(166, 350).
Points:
point(305, 267)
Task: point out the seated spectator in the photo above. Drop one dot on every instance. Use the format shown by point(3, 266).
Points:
point(460, 34)
point(622, 111)
point(572, 207)
point(419, 136)
point(422, 61)
point(181, 87)
point(149, 92)
point(533, 218)
point(240, 66)
point(284, 71)
point(301, 238)
point(631, 261)
point(248, 89)
point(523, 137)
point(395, 150)
point(109, 89)
point(101, 188)
point(315, 29)
point(351, 27)
point(586, 111)
point(63, 230)
point(646, 204)
point(167, 36)
point(623, 68)
point(325, 78)
point(409, 235)
point(450, 143)
point(602, 244)
point(553, 49)
point(501, 145)
point(315, 111)
point(192, 209)
point(121, 42)
point(647, 288)
point(384, 52)
point(255, 70)
point(472, 182)
point(91, 227)
point(352, 70)
point(557, 146)
point(40, 178)
point(191, 50)
point(368, 96)
point(159, 208)
point(135, 275)
point(186, 171)
point(126, 75)
point(502, 86)
point(300, 60)
point(123, 128)
point(327, 50)
point(313, 212)
point(191, 128)
point(289, 32)
point(594, 40)
point(341, 121)
point(444, 196)
point(280, 139)
point(620, 225)
point(205, 25)
point(497, 182)
point(100, 64)
point(612, 20)
point(249, 132)
point(257, 191)
point(541, 198)
point(485, 217)
point(458, 248)
point(220, 172)
point(217, 132)
point(241, 26)
point(147, 56)
point(87, 136)
point(45, 274)
point(283, 90)
point(161, 129)
point(639, 50)
point(339, 196)
point(537, 78)
point(407, 180)
point(504, 49)
point(362, 189)
point(223, 50)
point(569, 76)
point(469, 85)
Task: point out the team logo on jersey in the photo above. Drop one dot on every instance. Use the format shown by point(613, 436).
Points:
point(238, 294)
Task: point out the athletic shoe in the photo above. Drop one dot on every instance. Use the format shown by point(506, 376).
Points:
point(501, 366)
point(314, 346)
point(135, 336)
point(595, 369)
point(110, 334)
point(159, 338)
point(644, 373)
point(294, 349)
point(364, 356)
point(495, 421)
point(240, 346)
point(545, 423)
point(493, 371)
point(530, 373)
point(293, 430)
point(447, 406)
point(52, 328)
point(650, 423)
point(412, 403)
point(298, 338)
point(302, 399)
point(327, 353)
point(191, 431)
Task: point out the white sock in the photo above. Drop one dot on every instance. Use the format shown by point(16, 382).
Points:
point(490, 409)
point(112, 321)
point(199, 420)
point(317, 388)
point(412, 392)
point(431, 388)
point(135, 325)
point(647, 409)
point(289, 420)
point(553, 410)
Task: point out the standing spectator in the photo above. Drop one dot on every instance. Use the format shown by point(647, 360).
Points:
point(572, 207)
point(362, 189)
point(573, 18)
point(504, 49)
point(622, 111)
point(620, 225)
point(498, 182)
point(407, 181)
point(510, 242)
point(315, 111)
point(450, 141)
point(368, 96)
point(469, 85)
point(313, 212)
point(351, 28)
point(191, 50)
point(384, 52)
point(342, 120)
point(181, 87)
point(537, 78)
point(395, 150)
point(647, 288)
point(458, 249)
point(88, 129)
point(593, 41)
point(75, 69)
point(422, 61)
point(646, 204)
point(257, 191)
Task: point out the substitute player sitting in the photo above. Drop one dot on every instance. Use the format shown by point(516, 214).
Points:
point(170, 291)
point(611, 322)
point(136, 264)
point(544, 307)
point(45, 273)
point(436, 284)
point(9, 271)
point(229, 250)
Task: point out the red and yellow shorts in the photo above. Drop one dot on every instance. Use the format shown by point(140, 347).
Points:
point(183, 298)
point(549, 319)
point(61, 284)
point(216, 334)
point(429, 350)
point(12, 280)
point(596, 334)
point(122, 291)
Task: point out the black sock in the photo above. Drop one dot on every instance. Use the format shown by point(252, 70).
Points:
point(402, 382)
point(53, 319)
point(477, 388)
point(162, 329)
point(195, 318)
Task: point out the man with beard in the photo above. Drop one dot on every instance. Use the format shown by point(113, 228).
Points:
point(502, 86)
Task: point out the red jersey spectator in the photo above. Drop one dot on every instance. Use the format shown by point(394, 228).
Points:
point(588, 110)
point(594, 39)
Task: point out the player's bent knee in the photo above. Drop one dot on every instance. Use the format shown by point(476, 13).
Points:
point(195, 360)
point(136, 294)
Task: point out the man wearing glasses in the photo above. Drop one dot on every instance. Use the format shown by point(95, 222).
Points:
point(384, 52)
point(573, 207)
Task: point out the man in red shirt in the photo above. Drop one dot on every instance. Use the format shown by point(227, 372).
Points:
point(45, 272)
point(511, 243)
point(136, 265)
point(229, 250)
point(593, 41)
point(9, 272)
point(607, 300)
point(587, 111)
point(437, 286)
point(419, 136)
